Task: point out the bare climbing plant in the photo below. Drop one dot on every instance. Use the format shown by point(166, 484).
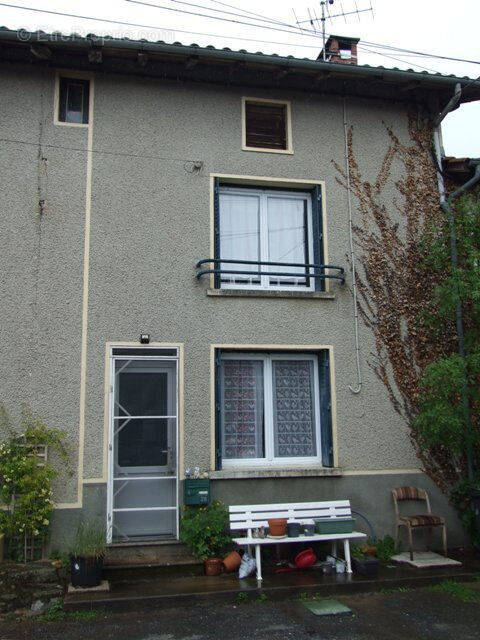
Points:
point(396, 285)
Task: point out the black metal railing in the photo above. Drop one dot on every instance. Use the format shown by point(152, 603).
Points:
point(318, 272)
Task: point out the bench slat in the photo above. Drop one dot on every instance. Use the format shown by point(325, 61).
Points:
point(289, 505)
point(291, 515)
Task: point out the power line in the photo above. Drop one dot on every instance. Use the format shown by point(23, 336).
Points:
point(102, 151)
point(231, 13)
point(203, 15)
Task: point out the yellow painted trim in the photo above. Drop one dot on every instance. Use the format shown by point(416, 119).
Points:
point(265, 181)
point(379, 472)
point(68, 505)
point(70, 73)
point(106, 404)
point(271, 347)
point(289, 149)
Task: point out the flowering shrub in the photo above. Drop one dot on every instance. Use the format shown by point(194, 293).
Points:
point(25, 480)
point(205, 530)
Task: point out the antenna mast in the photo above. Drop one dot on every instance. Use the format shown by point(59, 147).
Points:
point(325, 15)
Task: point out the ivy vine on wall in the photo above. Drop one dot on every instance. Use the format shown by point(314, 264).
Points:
point(396, 283)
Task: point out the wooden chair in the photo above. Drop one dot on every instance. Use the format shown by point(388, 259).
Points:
point(416, 522)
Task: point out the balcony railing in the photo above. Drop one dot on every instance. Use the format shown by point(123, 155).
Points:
point(316, 271)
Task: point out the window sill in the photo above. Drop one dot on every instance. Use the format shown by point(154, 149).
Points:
point(234, 474)
point(267, 150)
point(262, 293)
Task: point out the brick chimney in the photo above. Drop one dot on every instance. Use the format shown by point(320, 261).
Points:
point(340, 50)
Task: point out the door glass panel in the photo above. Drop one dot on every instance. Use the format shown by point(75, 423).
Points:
point(142, 442)
point(143, 524)
point(293, 408)
point(142, 389)
point(148, 492)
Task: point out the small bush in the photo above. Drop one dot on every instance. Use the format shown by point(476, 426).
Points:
point(206, 530)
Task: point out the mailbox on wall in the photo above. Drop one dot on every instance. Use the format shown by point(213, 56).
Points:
point(197, 491)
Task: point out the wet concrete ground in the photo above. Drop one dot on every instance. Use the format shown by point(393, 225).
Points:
point(419, 614)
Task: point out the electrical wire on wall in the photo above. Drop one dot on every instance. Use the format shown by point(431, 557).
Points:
point(358, 388)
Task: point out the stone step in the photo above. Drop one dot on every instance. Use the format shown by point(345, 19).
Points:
point(160, 554)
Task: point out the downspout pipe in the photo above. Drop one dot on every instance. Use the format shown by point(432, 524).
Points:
point(446, 205)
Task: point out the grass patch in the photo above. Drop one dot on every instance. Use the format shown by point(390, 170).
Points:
point(56, 612)
point(456, 590)
point(242, 597)
point(395, 590)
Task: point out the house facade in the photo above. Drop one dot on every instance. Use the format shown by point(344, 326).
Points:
point(168, 213)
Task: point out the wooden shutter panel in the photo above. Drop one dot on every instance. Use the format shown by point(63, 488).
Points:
point(266, 125)
point(317, 224)
point(325, 408)
point(218, 410)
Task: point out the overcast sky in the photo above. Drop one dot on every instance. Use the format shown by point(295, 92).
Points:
point(434, 26)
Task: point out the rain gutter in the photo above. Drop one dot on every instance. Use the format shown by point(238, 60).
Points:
point(61, 41)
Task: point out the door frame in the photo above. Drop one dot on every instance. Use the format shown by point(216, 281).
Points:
point(179, 411)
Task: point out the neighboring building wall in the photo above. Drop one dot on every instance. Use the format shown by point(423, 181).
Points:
point(150, 223)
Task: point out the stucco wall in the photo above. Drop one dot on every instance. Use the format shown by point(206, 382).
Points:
point(150, 223)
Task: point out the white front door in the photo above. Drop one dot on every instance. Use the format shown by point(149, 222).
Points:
point(143, 488)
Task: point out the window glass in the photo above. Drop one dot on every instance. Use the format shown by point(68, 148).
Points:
point(239, 234)
point(264, 226)
point(242, 409)
point(269, 408)
point(293, 408)
point(287, 236)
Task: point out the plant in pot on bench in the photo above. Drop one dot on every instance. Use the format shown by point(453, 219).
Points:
point(206, 532)
point(86, 555)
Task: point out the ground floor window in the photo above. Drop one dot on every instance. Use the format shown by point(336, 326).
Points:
point(273, 408)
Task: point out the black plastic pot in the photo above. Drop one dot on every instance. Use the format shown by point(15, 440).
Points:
point(85, 572)
point(293, 529)
point(366, 566)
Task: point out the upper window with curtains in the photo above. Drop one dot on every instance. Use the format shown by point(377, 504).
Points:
point(268, 238)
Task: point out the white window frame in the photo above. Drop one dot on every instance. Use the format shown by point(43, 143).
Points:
point(263, 195)
point(269, 438)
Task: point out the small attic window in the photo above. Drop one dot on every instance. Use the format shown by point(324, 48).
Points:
point(73, 100)
point(266, 125)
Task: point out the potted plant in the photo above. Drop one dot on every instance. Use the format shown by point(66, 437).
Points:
point(363, 560)
point(86, 555)
point(205, 530)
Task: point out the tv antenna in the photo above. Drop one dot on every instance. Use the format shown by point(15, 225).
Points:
point(320, 22)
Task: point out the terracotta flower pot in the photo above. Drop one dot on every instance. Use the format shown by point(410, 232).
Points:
point(277, 526)
point(213, 566)
point(232, 561)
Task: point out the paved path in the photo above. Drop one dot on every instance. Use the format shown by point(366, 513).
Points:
point(414, 615)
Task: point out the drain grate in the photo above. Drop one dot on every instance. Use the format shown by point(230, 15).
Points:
point(327, 607)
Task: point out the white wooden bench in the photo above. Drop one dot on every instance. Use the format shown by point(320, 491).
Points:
point(249, 517)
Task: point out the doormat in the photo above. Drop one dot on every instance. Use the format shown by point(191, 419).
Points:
point(426, 559)
point(326, 607)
